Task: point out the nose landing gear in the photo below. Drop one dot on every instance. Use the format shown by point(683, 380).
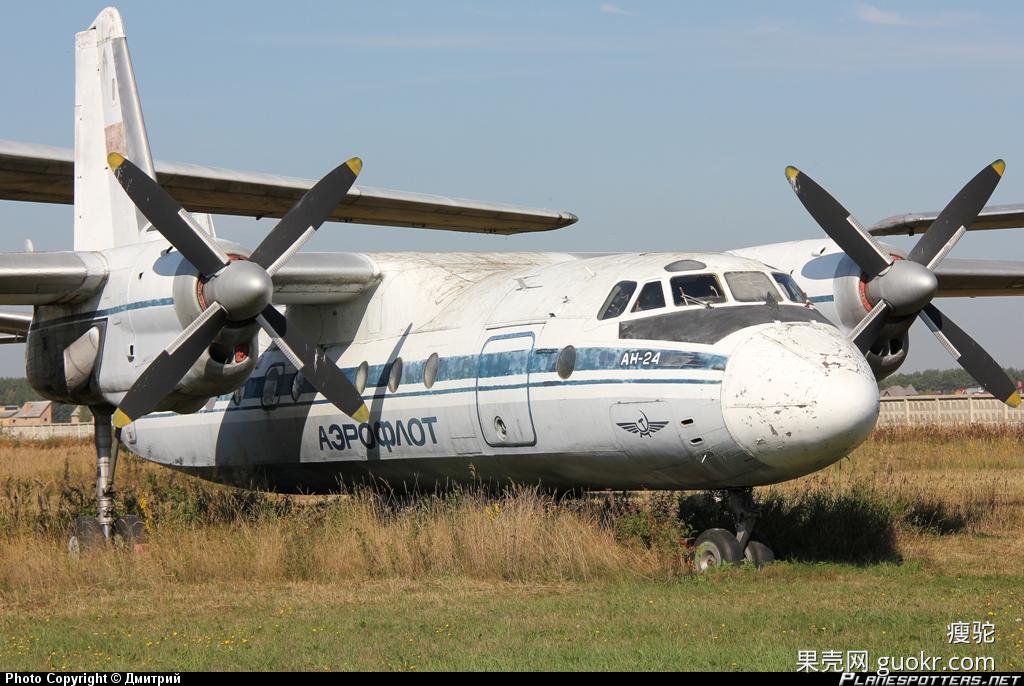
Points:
point(717, 547)
point(89, 533)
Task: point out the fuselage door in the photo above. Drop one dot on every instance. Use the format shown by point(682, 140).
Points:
point(503, 390)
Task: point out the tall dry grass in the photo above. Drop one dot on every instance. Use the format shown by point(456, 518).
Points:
point(901, 487)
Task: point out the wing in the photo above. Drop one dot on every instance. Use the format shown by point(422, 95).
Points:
point(44, 278)
point(631, 427)
point(960, 278)
point(14, 326)
point(994, 217)
point(41, 173)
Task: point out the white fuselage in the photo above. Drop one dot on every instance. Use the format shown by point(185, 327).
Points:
point(496, 368)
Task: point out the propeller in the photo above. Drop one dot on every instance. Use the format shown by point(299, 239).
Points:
point(898, 289)
point(238, 290)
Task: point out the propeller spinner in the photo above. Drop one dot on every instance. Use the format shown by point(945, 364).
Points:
point(238, 291)
point(899, 290)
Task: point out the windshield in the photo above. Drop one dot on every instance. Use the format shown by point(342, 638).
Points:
point(651, 297)
point(695, 289)
point(750, 286)
point(618, 298)
point(790, 287)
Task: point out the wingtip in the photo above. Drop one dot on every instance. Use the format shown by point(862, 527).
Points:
point(362, 414)
point(356, 165)
point(115, 160)
point(999, 166)
point(121, 420)
point(1014, 400)
point(791, 173)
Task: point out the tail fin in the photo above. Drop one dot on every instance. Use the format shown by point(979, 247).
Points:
point(108, 118)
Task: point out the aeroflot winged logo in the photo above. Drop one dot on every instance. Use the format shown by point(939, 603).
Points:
point(642, 426)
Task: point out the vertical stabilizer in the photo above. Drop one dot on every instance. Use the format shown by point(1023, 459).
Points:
point(108, 118)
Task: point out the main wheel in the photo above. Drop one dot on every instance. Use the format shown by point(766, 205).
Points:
point(758, 554)
point(86, 534)
point(714, 548)
point(129, 530)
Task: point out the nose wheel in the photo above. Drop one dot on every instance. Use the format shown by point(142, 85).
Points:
point(720, 547)
point(90, 533)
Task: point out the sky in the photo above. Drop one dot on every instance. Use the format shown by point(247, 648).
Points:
point(665, 126)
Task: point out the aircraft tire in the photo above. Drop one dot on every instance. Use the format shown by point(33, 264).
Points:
point(716, 548)
point(758, 554)
point(129, 531)
point(86, 534)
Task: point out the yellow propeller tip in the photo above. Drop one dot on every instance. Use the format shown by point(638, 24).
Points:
point(355, 164)
point(1014, 400)
point(999, 166)
point(791, 173)
point(121, 420)
point(115, 160)
point(361, 415)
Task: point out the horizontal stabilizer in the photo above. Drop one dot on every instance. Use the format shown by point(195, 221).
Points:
point(41, 173)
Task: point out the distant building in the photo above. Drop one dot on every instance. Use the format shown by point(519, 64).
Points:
point(76, 415)
point(33, 414)
point(7, 414)
point(898, 391)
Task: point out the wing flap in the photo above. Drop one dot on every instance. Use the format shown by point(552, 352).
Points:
point(41, 173)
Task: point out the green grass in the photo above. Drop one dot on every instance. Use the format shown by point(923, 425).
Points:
point(915, 530)
point(735, 620)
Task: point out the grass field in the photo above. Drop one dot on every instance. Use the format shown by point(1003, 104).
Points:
point(881, 552)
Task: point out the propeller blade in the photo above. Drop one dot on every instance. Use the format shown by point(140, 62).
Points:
point(170, 366)
point(168, 217)
point(302, 220)
point(866, 333)
point(971, 356)
point(952, 222)
point(314, 365)
point(841, 226)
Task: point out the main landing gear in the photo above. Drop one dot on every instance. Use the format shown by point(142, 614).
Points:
point(717, 547)
point(89, 533)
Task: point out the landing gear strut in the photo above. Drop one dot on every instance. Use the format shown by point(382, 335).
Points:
point(94, 532)
point(716, 547)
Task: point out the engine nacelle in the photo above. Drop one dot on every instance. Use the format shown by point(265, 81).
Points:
point(888, 354)
point(93, 352)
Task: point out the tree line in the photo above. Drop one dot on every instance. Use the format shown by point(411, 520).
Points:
point(939, 381)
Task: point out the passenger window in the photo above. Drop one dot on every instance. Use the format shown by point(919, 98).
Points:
point(790, 287)
point(695, 289)
point(269, 397)
point(750, 286)
point(651, 297)
point(615, 303)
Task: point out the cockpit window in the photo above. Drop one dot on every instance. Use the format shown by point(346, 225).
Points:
point(696, 289)
point(790, 287)
point(651, 297)
point(750, 286)
point(615, 303)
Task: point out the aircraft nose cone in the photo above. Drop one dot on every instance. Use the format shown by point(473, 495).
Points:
point(243, 289)
point(798, 397)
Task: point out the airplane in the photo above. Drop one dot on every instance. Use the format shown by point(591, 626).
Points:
point(298, 371)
